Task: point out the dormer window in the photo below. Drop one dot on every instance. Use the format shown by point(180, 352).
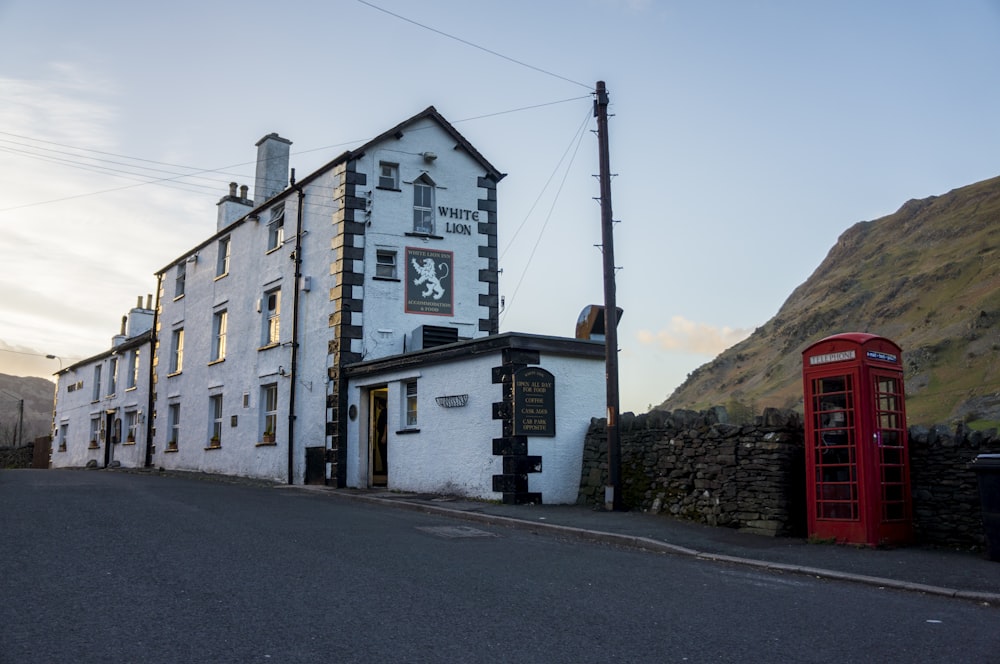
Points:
point(423, 205)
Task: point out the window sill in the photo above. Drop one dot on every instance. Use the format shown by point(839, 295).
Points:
point(93, 446)
point(429, 236)
point(178, 297)
point(266, 444)
point(62, 448)
point(129, 442)
point(131, 389)
point(221, 276)
point(388, 189)
point(270, 346)
point(176, 373)
point(218, 361)
point(271, 250)
point(378, 278)
point(216, 446)
point(403, 432)
point(170, 450)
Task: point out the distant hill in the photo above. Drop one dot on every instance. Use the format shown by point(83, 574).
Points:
point(37, 394)
point(927, 277)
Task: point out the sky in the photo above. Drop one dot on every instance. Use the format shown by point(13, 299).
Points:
point(746, 136)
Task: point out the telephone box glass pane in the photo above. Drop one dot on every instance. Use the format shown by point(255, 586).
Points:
point(835, 448)
point(890, 439)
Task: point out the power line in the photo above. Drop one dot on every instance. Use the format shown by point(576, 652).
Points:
point(476, 46)
point(579, 139)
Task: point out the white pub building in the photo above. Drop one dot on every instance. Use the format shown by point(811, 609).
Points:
point(342, 328)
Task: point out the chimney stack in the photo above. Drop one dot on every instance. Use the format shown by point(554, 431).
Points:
point(272, 167)
point(232, 207)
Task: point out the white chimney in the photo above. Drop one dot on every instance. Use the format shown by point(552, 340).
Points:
point(232, 207)
point(272, 167)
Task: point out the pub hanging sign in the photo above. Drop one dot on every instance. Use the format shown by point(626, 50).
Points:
point(429, 282)
point(534, 402)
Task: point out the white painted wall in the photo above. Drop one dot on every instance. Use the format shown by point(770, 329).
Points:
point(75, 409)
point(453, 451)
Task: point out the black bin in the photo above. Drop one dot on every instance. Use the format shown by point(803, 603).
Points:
point(987, 467)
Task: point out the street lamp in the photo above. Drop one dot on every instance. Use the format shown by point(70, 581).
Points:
point(55, 357)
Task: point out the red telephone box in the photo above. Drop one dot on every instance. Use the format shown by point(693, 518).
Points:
point(857, 456)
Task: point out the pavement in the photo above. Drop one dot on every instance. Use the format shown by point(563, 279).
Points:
point(964, 575)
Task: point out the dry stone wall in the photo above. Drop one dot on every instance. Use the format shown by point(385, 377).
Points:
point(697, 466)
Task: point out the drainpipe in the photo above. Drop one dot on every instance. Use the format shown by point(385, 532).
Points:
point(152, 349)
point(293, 372)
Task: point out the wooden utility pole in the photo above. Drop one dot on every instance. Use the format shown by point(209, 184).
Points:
point(613, 490)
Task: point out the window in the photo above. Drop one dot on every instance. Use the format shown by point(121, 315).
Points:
point(276, 227)
point(222, 263)
point(388, 177)
point(219, 323)
point(97, 383)
point(132, 375)
point(95, 430)
point(215, 413)
point(272, 318)
point(423, 206)
point(113, 376)
point(411, 403)
point(173, 424)
point(177, 356)
point(179, 280)
point(131, 425)
point(385, 263)
point(269, 397)
point(63, 435)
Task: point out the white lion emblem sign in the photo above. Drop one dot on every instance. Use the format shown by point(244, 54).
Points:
point(429, 281)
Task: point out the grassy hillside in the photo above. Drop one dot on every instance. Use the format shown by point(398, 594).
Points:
point(927, 277)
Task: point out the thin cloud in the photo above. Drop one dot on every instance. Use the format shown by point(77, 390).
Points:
point(689, 336)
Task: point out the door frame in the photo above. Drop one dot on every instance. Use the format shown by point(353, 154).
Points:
point(378, 427)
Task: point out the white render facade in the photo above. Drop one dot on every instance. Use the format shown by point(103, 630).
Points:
point(455, 437)
point(367, 286)
point(102, 402)
point(255, 324)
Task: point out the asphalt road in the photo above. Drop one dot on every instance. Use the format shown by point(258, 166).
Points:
point(112, 567)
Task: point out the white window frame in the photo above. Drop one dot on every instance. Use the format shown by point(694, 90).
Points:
point(173, 423)
point(276, 227)
point(180, 280)
point(272, 317)
point(131, 425)
point(222, 262)
point(177, 351)
point(423, 206)
point(215, 411)
point(220, 324)
point(385, 263)
point(112, 376)
point(95, 429)
point(410, 404)
point(388, 175)
point(269, 408)
point(132, 378)
point(97, 383)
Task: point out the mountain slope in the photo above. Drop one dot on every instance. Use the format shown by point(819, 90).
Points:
point(927, 277)
point(37, 394)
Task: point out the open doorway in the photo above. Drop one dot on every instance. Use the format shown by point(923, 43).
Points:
point(378, 436)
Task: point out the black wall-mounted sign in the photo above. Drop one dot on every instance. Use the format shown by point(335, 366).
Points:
point(534, 402)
